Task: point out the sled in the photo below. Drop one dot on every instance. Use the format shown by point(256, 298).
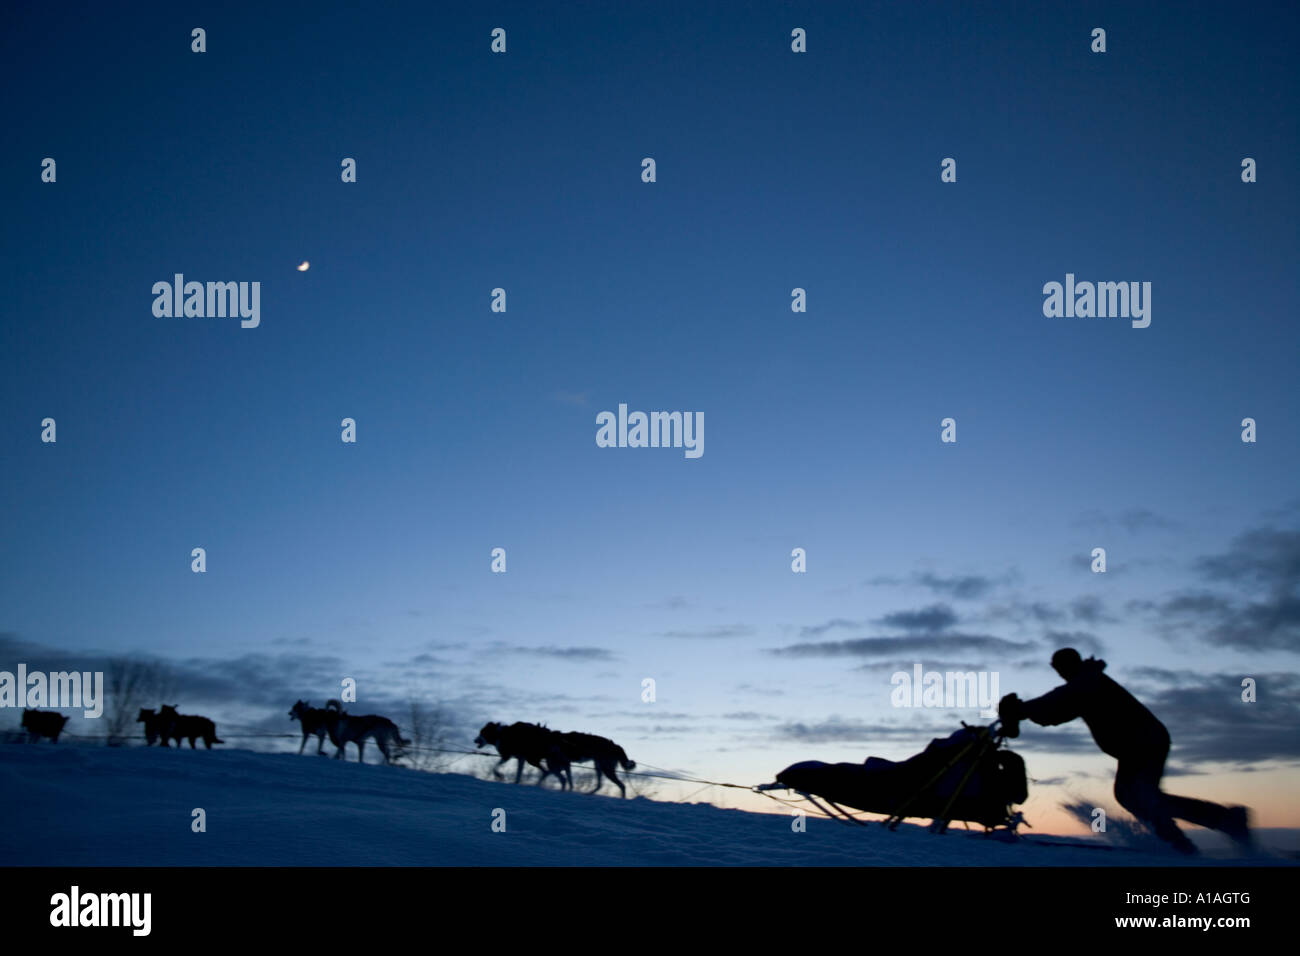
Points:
point(966, 776)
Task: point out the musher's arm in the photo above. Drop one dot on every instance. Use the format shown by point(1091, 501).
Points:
point(1055, 707)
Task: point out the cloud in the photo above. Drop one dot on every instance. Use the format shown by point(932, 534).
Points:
point(674, 603)
point(1287, 512)
point(1172, 771)
point(252, 692)
point(1020, 612)
point(885, 580)
point(885, 669)
point(660, 729)
point(1136, 520)
point(1088, 609)
point(817, 630)
point(259, 680)
point(835, 729)
point(908, 646)
point(709, 633)
point(447, 645)
point(255, 690)
point(562, 653)
point(962, 587)
point(937, 617)
point(1264, 558)
point(1209, 721)
point(1091, 610)
point(578, 399)
point(1162, 675)
point(1132, 520)
point(1262, 609)
point(252, 680)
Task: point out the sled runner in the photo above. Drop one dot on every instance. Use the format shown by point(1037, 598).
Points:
point(966, 776)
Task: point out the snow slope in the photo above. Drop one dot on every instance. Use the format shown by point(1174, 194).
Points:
point(87, 806)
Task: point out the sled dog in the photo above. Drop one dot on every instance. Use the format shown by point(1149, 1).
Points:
point(42, 723)
point(527, 743)
point(155, 726)
point(601, 751)
point(186, 726)
point(314, 720)
point(344, 727)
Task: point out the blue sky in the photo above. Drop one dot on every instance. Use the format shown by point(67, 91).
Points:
point(477, 430)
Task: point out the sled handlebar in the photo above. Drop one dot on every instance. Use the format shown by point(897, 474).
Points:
point(994, 729)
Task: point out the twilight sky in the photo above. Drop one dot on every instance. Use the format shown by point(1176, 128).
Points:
point(476, 429)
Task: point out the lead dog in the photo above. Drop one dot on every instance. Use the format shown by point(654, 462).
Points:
point(41, 723)
point(314, 720)
point(344, 727)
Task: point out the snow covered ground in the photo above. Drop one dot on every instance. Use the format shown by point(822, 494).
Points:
point(95, 806)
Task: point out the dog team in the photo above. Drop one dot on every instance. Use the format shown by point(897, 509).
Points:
point(550, 751)
point(165, 724)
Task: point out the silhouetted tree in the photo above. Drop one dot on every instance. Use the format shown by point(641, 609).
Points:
point(132, 684)
point(429, 733)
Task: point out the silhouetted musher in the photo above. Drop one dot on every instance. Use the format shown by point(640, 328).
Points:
point(1131, 734)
